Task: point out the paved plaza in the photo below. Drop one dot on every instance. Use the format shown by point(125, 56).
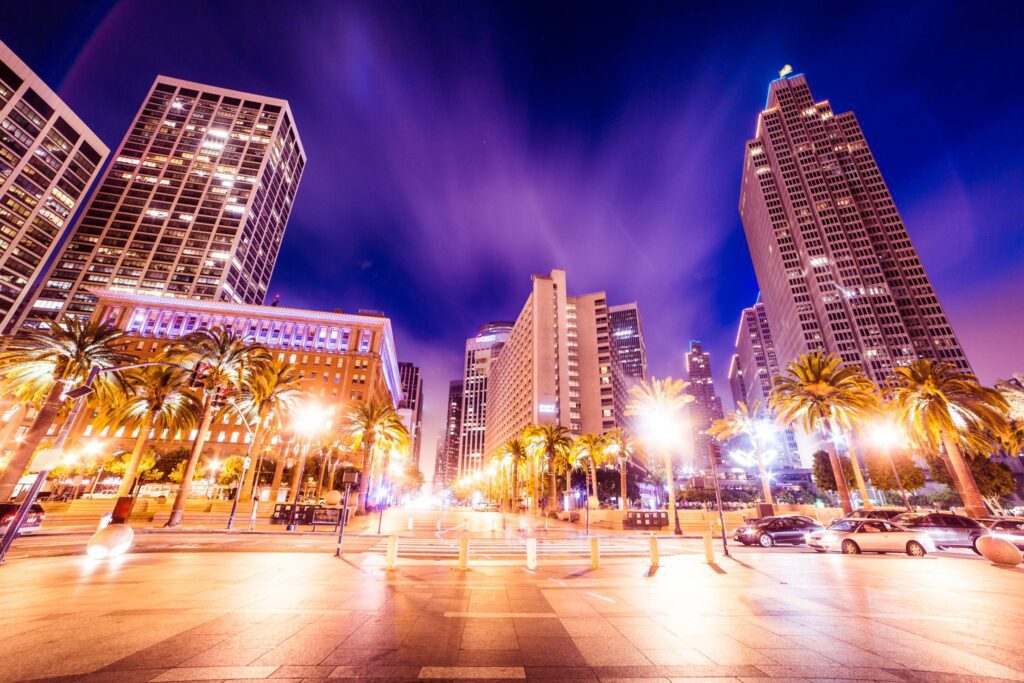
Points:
point(176, 616)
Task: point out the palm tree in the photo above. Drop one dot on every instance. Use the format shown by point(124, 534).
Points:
point(1013, 391)
point(373, 424)
point(515, 453)
point(276, 391)
point(226, 364)
point(942, 405)
point(592, 449)
point(620, 446)
point(157, 398)
point(572, 461)
point(39, 366)
point(818, 392)
point(751, 422)
point(549, 441)
point(659, 405)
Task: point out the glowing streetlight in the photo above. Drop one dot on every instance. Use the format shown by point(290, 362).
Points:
point(310, 421)
point(886, 436)
point(661, 427)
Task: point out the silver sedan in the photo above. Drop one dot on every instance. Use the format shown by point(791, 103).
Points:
point(855, 536)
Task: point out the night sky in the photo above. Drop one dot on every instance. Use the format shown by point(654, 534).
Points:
point(454, 149)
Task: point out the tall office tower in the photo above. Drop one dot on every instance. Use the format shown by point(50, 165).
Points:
point(752, 368)
point(833, 259)
point(481, 352)
point(48, 161)
point(628, 340)
point(412, 406)
point(706, 406)
point(557, 366)
point(447, 466)
point(194, 204)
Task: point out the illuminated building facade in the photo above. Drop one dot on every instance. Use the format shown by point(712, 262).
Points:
point(412, 406)
point(194, 204)
point(752, 368)
point(481, 353)
point(48, 161)
point(446, 466)
point(706, 406)
point(833, 259)
point(556, 367)
point(341, 358)
point(628, 340)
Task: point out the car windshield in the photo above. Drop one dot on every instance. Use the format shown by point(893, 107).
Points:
point(844, 525)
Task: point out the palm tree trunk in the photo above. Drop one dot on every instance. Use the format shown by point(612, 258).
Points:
point(365, 474)
point(275, 483)
point(13, 422)
point(622, 484)
point(670, 480)
point(858, 475)
point(132, 469)
point(552, 486)
point(593, 503)
point(298, 472)
point(837, 471)
point(250, 474)
point(533, 485)
point(178, 509)
point(568, 489)
point(514, 493)
point(964, 479)
point(766, 487)
point(22, 457)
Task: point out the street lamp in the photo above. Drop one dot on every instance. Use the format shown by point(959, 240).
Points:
point(886, 435)
point(660, 427)
point(310, 421)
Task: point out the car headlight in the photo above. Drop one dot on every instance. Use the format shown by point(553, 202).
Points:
point(829, 540)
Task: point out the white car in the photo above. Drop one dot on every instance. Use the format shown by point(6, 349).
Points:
point(855, 536)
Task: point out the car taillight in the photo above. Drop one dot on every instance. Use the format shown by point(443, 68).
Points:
point(7, 518)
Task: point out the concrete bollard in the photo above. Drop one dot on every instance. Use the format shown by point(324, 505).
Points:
point(709, 548)
point(410, 524)
point(494, 525)
point(438, 526)
point(392, 556)
point(595, 554)
point(463, 553)
point(531, 553)
point(653, 541)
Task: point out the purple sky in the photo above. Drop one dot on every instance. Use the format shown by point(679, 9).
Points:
point(454, 149)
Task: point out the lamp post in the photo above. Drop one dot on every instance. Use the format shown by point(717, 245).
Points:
point(245, 465)
point(311, 421)
point(885, 435)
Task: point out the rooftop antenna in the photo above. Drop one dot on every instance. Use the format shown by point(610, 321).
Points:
point(785, 71)
point(276, 301)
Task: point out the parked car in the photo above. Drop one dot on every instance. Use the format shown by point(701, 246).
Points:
point(946, 529)
point(33, 521)
point(876, 513)
point(1009, 528)
point(855, 536)
point(771, 531)
point(739, 533)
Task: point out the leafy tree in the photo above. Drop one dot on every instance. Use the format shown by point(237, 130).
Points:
point(941, 405)
point(38, 366)
point(226, 363)
point(548, 443)
point(823, 471)
point(993, 478)
point(621, 448)
point(177, 475)
point(231, 470)
point(374, 427)
point(817, 391)
point(881, 475)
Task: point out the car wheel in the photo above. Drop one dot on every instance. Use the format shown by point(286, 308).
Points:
point(915, 549)
point(765, 541)
point(974, 547)
point(850, 548)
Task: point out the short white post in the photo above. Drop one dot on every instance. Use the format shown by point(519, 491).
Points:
point(494, 525)
point(709, 548)
point(392, 556)
point(410, 524)
point(595, 553)
point(531, 553)
point(463, 553)
point(438, 527)
point(653, 541)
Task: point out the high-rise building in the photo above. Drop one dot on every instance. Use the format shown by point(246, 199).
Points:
point(628, 340)
point(556, 367)
point(194, 204)
point(412, 406)
point(48, 161)
point(833, 259)
point(447, 465)
point(481, 352)
point(752, 368)
point(705, 408)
